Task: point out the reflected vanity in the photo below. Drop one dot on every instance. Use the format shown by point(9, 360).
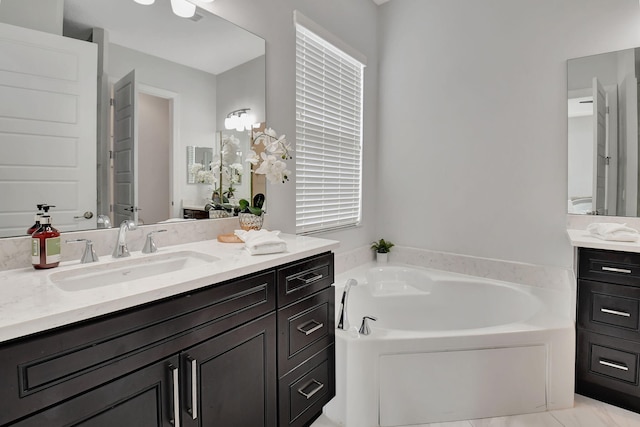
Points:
point(185, 82)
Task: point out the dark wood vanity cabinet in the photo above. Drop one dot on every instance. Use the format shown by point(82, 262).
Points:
point(195, 214)
point(306, 337)
point(207, 357)
point(608, 328)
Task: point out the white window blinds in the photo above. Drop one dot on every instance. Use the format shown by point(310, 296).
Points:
point(328, 135)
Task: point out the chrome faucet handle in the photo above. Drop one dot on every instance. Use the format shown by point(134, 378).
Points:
point(89, 254)
point(150, 244)
point(364, 328)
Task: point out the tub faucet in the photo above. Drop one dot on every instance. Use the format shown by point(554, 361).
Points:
point(365, 329)
point(121, 249)
point(343, 322)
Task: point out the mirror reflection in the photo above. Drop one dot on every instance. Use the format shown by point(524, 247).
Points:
point(199, 165)
point(603, 134)
point(119, 150)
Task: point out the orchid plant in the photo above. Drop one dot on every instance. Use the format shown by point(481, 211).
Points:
point(271, 161)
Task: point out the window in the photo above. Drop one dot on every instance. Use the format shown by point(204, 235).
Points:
point(328, 133)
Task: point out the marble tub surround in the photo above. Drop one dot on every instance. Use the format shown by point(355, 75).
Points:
point(15, 252)
point(30, 302)
point(508, 271)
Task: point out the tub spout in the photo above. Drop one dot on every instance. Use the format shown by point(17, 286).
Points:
point(343, 322)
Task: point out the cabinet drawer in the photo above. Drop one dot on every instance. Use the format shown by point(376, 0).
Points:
point(305, 390)
point(608, 308)
point(304, 328)
point(614, 363)
point(302, 278)
point(46, 368)
point(607, 362)
point(609, 266)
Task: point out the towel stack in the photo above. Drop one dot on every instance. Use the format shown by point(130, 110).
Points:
point(260, 242)
point(613, 231)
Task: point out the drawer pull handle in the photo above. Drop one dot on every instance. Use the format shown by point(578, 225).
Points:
point(613, 365)
point(617, 270)
point(317, 326)
point(617, 313)
point(308, 280)
point(317, 388)
point(176, 395)
point(194, 387)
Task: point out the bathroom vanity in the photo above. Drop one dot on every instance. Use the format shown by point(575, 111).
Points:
point(245, 341)
point(607, 321)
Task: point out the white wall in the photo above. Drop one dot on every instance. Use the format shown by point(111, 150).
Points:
point(154, 150)
point(242, 87)
point(473, 95)
point(355, 23)
point(23, 14)
point(580, 165)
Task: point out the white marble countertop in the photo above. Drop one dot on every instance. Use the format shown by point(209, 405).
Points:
point(193, 207)
point(583, 239)
point(30, 302)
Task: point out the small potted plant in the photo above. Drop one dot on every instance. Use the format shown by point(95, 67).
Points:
point(251, 216)
point(382, 248)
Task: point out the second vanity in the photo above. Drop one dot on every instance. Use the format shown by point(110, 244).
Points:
point(230, 340)
point(608, 320)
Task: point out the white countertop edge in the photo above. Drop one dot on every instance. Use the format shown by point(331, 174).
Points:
point(583, 239)
point(30, 304)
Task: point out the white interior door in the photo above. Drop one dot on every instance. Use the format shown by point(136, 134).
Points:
point(125, 148)
point(47, 129)
point(600, 148)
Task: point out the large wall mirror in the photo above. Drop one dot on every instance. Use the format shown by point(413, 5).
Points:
point(103, 105)
point(603, 134)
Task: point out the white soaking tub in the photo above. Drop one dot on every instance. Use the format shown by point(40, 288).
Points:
point(450, 347)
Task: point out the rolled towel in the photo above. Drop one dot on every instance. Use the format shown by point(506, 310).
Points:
point(613, 231)
point(260, 242)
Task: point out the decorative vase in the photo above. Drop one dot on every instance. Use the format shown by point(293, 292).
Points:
point(382, 257)
point(249, 221)
point(218, 213)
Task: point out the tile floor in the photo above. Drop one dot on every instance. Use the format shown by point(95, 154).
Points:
point(585, 413)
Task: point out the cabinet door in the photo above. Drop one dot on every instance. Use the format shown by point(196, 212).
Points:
point(230, 380)
point(145, 397)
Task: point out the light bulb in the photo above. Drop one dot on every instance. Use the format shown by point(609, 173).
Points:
point(228, 123)
point(183, 8)
point(145, 2)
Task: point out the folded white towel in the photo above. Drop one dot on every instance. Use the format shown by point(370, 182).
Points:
point(260, 242)
point(613, 231)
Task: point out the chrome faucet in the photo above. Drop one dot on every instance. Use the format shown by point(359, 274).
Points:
point(121, 250)
point(365, 329)
point(343, 322)
point(89, 254)
point(150, 244)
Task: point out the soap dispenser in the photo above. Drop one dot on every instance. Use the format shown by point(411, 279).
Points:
point(43, 208)
point(45, 245)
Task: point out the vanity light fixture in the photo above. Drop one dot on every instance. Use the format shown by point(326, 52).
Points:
point(239, 120)
point(182, 8)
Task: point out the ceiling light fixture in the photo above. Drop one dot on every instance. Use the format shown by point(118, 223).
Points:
point(182, 8)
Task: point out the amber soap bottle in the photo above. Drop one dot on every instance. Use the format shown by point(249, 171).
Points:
point(45, 245)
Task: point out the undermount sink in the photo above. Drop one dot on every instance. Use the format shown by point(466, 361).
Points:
point(127, 270)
